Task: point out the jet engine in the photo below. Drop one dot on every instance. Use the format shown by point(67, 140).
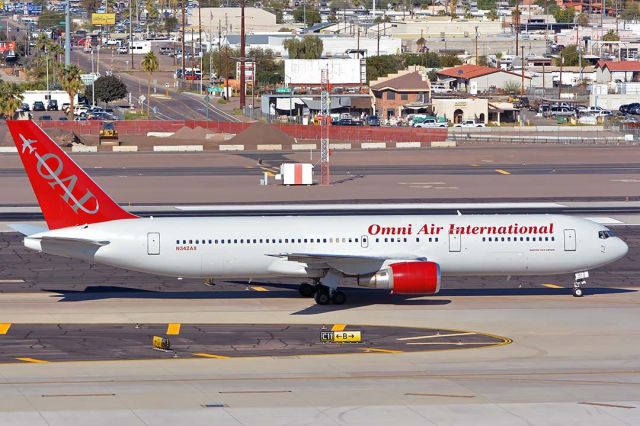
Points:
point(405, 278)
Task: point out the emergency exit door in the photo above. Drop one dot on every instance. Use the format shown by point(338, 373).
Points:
point(569, 240)
point(454, 243)
point(153, 243)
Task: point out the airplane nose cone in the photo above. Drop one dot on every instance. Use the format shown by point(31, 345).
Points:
point(620, 249)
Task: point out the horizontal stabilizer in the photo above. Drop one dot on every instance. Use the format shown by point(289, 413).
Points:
point(27, 228)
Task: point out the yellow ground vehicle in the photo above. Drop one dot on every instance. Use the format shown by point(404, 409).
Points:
point(108, 133)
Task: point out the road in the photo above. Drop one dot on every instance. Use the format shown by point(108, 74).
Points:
point(177, 106)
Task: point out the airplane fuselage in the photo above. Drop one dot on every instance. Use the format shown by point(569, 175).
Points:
point(253, 247)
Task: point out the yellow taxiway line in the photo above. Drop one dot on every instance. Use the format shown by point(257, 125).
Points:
point(4, 327)
point(502, 172)
point(212, 356)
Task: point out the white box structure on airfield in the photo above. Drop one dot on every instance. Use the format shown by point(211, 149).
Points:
point(296, 173)
point(307, 71)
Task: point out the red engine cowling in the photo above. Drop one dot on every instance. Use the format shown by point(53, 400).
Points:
point(406, 278)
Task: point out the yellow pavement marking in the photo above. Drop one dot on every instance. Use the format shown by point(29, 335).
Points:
point(212, 356)
point(474, 165)
point(431, 336)
point(338, 327)
point(452, 343)
point(257, 288)
point(36, 361)
point(552, 286)
point(386, 351)
point(4, 327)
point(173, 329)
point(502, 172)
point(248, 167)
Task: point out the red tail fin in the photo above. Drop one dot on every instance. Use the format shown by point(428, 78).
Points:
point(67, 196)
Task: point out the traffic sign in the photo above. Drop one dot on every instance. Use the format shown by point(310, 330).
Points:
point(207, 98)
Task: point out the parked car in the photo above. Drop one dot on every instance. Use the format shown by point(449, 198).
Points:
point(39, 106)
point(46, 118)
point(626, 107)
point(65, 107)
point(122, 50)
point(80, 109)
point(432, 122)
point(24, 107)
point(469, 123)
point(52, 105)
point(373, 120)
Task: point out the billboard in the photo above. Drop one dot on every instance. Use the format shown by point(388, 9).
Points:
point(7, 46)
point(308, 71)
point(103, 18)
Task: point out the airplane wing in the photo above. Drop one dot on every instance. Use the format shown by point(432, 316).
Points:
point(346, 263)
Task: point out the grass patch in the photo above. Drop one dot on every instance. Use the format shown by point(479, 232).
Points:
point(135, 115)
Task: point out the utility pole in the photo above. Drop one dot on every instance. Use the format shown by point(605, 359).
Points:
point(516, 24)
point(522, 73)
point(184, 24)
point(378, 37)
point(67, 35)
point(131, 31)
point(242, 55)
point(220, 50)
point(477, 57)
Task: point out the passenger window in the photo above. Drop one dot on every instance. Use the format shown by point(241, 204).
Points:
point(377, 240)
point(324, 240)
point(235, 241)
point(190, 241)
point(356, 240)
point(483, 238)
point(527, 238)
point(490, 239)
point(280, 241)
point(386, 240)
point(430, 239)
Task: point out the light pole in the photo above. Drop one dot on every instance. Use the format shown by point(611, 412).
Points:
point(131, 32)
point(67, 35)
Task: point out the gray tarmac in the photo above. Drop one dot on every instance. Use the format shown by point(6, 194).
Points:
point(91, 342)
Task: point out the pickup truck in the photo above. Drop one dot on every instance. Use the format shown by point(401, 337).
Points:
point(469, 123)
point(431, 123)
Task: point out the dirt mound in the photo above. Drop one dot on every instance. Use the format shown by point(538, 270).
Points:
point(197, 133)
point(59, 136)
point(262, 133)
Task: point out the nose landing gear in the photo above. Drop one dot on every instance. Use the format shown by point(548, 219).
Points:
point(580, 280)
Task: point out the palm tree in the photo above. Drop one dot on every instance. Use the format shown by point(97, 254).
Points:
point(149, 64)
point(72, 84)
point(10, 99)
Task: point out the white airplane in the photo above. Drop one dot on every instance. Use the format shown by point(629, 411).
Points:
point(405, 254)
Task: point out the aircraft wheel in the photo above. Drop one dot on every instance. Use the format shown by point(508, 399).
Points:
point(577, 292)
point(322, 297)
point(338, 297)
point(306, 290)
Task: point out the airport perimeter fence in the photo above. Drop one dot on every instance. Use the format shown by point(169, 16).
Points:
point(558, 134)
point(299, 132)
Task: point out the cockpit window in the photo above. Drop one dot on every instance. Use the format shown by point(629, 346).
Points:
point(603, 235)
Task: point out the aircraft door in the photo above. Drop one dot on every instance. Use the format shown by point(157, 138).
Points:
point(364, 241)
point(153, 243)
point(455, 244)
point(569, 240)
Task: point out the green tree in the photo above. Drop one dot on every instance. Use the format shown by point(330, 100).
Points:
point(72, 84)
point(10, 99)
point(582, 19)
point(90, 5)
point(630, 12)
point(450, 60)
point(50, 19)
point(570, 55)
point(170, 24)
point(482, 60)
point(269, 70)
point(312, 15)
point(378, 66)
point(565, 15)
point(492, 15)
point(309, 47)
point(107, 89)
point(611, 35)
point(487, 4)
point(150, 64)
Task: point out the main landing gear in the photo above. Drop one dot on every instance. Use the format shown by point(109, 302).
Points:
point(324, 290)
point(580, 280)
